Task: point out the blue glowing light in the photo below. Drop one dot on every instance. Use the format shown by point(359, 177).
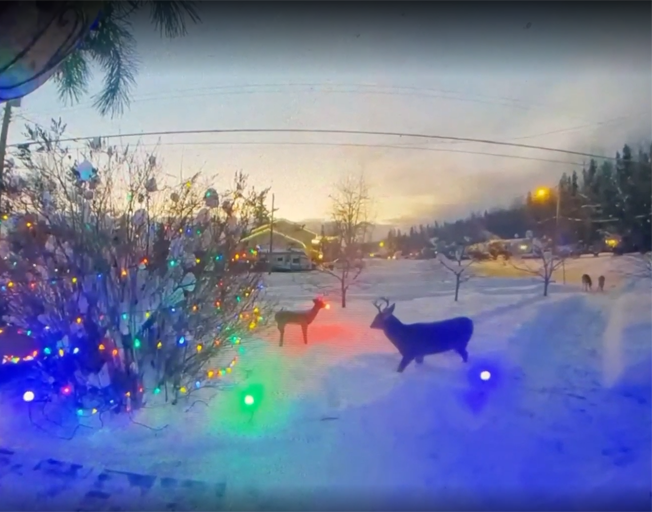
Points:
point(485, 375)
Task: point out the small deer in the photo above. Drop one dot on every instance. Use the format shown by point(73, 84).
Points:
point(302, 318)
point(414, 341)
point(601, 283)
point(587, 284)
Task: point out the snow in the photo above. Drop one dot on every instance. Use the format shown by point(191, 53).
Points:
point(564, 421)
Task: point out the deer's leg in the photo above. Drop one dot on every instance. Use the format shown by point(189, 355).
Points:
point(304, 331)
point(419, 359)
point(463, 353)
point(281, 330)
point(404, 362)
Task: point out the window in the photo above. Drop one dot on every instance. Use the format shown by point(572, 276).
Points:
point(296, 261)
point(280, 259)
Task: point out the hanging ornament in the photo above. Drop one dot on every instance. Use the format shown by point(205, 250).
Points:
point(151, 185)
point(174, 197)
point(203, 216)
point(232, 224)
point(211, 198)
point(85, 170)
point(140, 217)
point(88, 194)
point(188, 282)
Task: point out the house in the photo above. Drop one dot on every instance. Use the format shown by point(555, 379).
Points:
point(290, 260)
point(285, 235)
point(293, 247)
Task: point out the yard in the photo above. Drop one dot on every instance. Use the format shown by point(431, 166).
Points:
point(565, 420)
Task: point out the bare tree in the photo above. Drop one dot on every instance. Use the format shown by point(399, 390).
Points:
point(548, 263)
point(457, 266)
point(351, 212)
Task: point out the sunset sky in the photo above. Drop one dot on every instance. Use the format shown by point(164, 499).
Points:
point(578, 80)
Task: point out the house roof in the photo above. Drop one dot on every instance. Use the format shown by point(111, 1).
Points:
point(281, 222)
point(267, 229)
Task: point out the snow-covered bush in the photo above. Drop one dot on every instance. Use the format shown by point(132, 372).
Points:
point(129, 286)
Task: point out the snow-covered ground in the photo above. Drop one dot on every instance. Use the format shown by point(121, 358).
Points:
point(564, 422)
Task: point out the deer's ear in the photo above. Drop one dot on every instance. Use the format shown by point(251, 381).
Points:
point(390, 310)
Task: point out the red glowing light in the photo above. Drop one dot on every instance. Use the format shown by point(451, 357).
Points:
point(327, 306)
point(66, 390)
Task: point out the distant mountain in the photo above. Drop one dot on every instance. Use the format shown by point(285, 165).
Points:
point(379, 233)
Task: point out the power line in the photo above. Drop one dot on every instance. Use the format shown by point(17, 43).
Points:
point(328, 131)
point(330, 88)
point(346, 144)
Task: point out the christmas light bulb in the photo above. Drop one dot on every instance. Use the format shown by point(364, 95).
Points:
point(28, 396)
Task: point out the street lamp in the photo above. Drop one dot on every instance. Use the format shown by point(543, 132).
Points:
point(544, 193)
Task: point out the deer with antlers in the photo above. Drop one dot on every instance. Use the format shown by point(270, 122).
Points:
point(301, 318)
point(415, 341)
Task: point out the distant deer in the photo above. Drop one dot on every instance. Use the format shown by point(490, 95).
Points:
point(302, 318)
point(587, 284)
point(601, 280)
point(414, 341)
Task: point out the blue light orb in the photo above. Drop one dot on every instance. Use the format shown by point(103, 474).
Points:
point(28, 396)
point(485, 375)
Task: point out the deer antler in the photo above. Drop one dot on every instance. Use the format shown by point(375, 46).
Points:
point(378, 304)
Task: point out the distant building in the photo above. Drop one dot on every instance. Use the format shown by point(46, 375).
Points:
point(285, 236)
point(291, 260)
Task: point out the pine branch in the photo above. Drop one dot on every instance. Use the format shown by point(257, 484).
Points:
point(113, 47)
point(170, 17)
point(72, 78)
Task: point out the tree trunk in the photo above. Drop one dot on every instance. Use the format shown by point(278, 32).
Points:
point(457, 286)
point(546, 282)
point(343, 295)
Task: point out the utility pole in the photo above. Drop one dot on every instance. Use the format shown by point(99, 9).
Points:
point(271, 238)
point(556, 234)
point(4, 132)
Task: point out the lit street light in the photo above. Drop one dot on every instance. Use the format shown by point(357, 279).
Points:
point(544, 193)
